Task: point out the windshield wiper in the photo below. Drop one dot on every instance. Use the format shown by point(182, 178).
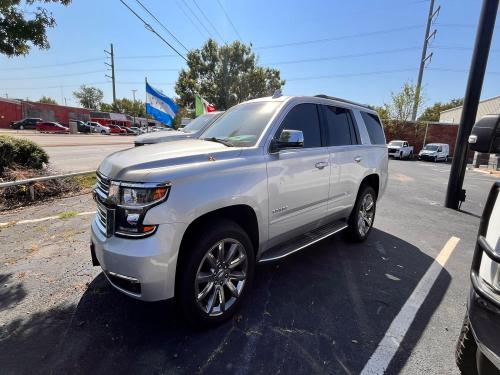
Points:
point(219, 140)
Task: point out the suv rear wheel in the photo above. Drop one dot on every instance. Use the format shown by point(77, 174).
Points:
point(216, 275)
point(363, 214)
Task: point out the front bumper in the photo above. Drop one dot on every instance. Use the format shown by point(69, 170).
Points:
point(141, 268)
point(484, 317)
point(426, 157)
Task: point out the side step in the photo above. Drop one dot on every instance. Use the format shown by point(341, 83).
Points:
point(300, 242)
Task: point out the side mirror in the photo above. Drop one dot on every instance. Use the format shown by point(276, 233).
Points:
point(288, 139)
point(485, 135)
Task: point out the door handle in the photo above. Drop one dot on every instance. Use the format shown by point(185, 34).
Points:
point(321, 164)
point(357, 159)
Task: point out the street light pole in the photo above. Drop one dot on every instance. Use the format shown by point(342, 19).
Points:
point(484, 34)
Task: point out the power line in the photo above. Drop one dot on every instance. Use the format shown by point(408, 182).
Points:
point(194, 14)
point(149, 70)
point(379, 72)
point(56, 87)
point(144, 57)
point(338, 57)
point(335, 38)
point(230, 22)
point(52, 65)
point(54, 76)
point(208, 21)
point(190, 19)
point(459, 48)
point(150, 28)
point(162, 25)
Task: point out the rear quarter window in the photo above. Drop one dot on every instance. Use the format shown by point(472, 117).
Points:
point(374, 128)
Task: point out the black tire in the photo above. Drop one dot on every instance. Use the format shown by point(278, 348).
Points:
point(103, 131)
point(435, 159)
point(354, 231)
point(410, 156)
point(400, 156)
point(21, 127)
point(195, 252)
point(465, 352)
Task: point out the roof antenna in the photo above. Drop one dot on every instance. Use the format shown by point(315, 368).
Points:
point(277, 94)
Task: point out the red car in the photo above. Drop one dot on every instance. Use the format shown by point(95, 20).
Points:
point(116, 129)
point(51, 127)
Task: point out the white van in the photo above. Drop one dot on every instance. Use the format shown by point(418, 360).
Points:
point(435, 152)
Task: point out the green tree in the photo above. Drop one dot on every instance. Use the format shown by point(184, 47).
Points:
point(18, 31)
point(89, 97)
point(401, 105)
point(225, 75)
point(47, 100)
point(432, 113)
point(127, 106)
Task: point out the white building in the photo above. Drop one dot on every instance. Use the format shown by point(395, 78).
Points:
point(486, 107)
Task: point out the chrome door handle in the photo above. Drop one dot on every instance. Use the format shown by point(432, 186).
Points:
point(321, 164)
point(357, 159)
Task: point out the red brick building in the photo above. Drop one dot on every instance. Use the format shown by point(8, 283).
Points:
point(14, 110)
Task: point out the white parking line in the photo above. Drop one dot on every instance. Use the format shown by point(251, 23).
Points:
point(29, 221)
point(381, 358)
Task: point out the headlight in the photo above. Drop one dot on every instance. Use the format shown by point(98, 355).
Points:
point(132, 201)
point(137, 195)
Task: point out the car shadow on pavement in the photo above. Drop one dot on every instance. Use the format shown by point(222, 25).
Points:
point(11, 291)
point(323, 310)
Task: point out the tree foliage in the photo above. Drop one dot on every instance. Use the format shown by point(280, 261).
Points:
point(432, 113)
point(19, 28)
point(127, 106)
point(225, 75)
point(383, 111)
point(401, 106)
point(89, 97)
point(47, 100)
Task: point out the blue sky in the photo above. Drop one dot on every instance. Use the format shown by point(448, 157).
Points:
point(361, 68)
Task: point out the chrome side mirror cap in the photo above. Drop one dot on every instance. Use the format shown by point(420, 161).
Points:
point(288, 139)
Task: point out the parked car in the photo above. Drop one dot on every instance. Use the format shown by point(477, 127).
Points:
point(130, 131)
point(98, 128)
point(400, 149)
point(27, 123)
point(115, 129)
point(478, 347)
point(435, 152)
point(137, 129)
point(268, 178)
point(191, 130)
point(51, 127)
point(83, 127)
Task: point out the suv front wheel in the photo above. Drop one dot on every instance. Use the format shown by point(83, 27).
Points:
point(216, 272)
point(363, 214)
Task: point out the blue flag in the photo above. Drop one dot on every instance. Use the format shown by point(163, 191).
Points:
point(160, 106)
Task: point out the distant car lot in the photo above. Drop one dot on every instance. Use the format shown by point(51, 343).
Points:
point(324, 310)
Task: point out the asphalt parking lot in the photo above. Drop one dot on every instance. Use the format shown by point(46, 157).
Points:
point(323, 310)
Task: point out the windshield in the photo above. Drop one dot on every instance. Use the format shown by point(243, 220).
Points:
point(431, 147)
point(243, 124)
point(198, 123)
point(396, 143)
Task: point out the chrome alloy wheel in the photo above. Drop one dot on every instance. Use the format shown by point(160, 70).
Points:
point(221, 276)
point(366, 214)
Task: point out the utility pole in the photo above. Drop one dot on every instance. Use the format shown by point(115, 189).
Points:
point(424, 57)
point(133, 94)
point(112, 66)
point(454, 193)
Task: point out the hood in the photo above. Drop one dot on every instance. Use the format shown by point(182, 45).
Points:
point(144, 164)
point(427, 152)
point(163, 136)
point(395, 147)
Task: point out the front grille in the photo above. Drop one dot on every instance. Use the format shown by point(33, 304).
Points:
point(102, 185)
point(391, 150)
point(102, 215)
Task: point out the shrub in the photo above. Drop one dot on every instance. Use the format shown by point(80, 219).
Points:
point(22, 152)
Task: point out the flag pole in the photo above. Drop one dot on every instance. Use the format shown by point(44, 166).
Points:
point(146, 103)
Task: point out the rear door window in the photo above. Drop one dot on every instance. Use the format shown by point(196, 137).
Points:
point(339, 126)
point(374, 128)
point(304, 117)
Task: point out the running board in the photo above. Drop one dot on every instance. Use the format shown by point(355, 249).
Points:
point(299, 243)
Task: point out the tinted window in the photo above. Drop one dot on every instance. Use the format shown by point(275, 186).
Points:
point(340, 132)
point(304, 117)
point(374, 128)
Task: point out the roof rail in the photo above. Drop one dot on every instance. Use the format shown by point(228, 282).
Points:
point(341, 100)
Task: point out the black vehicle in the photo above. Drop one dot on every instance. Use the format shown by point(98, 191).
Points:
point(83, 127)
point(478, 347)
point(27, 123)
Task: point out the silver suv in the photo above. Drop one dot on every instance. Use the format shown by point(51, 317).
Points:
point(270, 177)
